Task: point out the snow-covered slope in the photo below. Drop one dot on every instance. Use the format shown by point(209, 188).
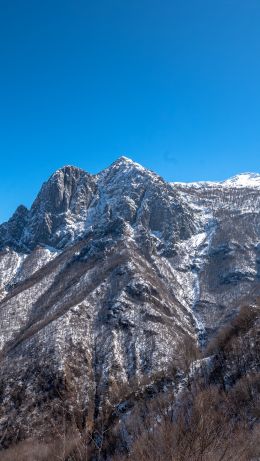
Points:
point(230, 271)
point(243, 180)
point(251, 180)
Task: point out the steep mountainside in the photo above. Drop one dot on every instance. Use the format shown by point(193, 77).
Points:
point(105, 275)
point(230, 272)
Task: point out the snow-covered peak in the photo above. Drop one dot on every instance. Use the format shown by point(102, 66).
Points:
point(243, 180)
point(124, 159)
point(126, 164)
point(124, 172)
point(248, 180)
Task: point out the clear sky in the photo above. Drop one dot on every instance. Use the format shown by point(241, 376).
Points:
point(172, 84)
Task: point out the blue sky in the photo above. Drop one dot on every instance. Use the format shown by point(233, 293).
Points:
point(175, 85)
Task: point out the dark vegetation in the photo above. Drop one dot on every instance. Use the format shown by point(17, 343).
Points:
point(205, 407)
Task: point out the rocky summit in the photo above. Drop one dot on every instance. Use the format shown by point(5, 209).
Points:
point(103, 277)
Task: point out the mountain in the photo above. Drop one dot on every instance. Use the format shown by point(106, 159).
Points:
point(103, 278)
point(244, 180)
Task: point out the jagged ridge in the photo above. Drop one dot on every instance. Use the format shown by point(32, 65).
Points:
point(105, 274)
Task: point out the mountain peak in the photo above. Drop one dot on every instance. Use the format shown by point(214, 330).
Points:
point(68, 170)
point(124, 159)
point(244, 180)
point(241, 180)
point(126, 162)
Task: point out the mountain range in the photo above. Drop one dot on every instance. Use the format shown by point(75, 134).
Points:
point(105, 275)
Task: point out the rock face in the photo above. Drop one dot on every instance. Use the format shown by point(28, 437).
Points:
point(104, 275)
point(57, 215)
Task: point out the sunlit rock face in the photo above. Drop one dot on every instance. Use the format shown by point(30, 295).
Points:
point(103, 276)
